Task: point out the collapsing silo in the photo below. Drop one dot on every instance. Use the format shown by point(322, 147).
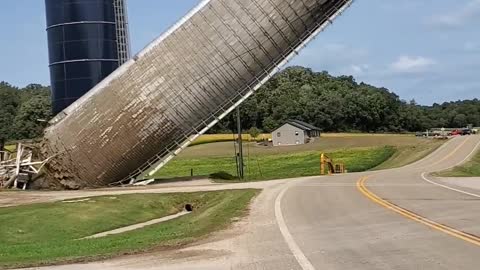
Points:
point(178, 87)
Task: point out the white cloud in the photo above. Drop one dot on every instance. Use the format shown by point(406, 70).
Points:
point(412, 64)
point(356, 70)
point(459, 17)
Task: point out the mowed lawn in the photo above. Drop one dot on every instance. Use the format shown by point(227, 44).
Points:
point(469, 169)
point(359, 152)
point(46, 233)
point(265, 167)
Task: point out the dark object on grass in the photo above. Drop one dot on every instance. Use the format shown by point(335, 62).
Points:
point(222, 176)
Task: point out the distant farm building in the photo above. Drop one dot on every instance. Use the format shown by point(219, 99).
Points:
point(295, 132)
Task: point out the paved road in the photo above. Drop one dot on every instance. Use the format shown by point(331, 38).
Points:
point(392, 219)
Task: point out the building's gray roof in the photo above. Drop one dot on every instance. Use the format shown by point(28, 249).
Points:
point(307, 125)
point(302, 125)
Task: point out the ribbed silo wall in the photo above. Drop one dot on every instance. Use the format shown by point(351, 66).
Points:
point(177, 87)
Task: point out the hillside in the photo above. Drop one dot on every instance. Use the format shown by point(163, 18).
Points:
point(337, 104)
point(340, 104)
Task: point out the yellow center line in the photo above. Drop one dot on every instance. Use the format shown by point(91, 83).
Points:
point(412, 216)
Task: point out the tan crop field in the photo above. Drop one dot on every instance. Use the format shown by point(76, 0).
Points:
point(327, 143)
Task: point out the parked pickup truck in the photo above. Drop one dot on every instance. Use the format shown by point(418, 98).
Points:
point(462, 132)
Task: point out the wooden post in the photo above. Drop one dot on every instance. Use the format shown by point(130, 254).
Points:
point(10, 182)
point(17, 163)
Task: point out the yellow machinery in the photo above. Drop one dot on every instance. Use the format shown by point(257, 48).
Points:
point(327, 163)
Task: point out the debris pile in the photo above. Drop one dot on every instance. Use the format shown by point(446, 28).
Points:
point(19, 168)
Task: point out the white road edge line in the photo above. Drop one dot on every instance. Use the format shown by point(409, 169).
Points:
point(424, 177)
point(305, 264)
point(469, 155)
point(447, 187)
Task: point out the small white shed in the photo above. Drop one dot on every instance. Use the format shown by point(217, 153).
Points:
point(294, 132)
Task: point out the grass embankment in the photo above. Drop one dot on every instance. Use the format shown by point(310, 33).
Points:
point(45, 233)
point(407, 154)
point(288, 165)
point(469, 169)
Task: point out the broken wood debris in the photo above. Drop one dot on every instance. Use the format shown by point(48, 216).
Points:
point(18, 169)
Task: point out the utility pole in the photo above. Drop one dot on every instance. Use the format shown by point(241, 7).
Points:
point(240, 146)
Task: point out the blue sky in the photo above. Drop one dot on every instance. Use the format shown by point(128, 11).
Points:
point(427, 50)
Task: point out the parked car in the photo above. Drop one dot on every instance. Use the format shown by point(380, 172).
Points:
point(466, 131)
point(455, 132)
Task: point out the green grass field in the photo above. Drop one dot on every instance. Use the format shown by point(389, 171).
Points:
point(41, 234)
point(469, 169)
point(265, 167)
point(360, 152)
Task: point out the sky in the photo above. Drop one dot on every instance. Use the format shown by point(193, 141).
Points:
point(427, 50)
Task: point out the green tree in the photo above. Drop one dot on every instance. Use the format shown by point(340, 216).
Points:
point(254, 132)
point(460, 120)
point(341, 104)
point(9, 102)
point(32, 116)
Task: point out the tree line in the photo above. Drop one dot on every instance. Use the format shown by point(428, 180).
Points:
point(340, 104)
point(332, 103)
point(24, 112)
